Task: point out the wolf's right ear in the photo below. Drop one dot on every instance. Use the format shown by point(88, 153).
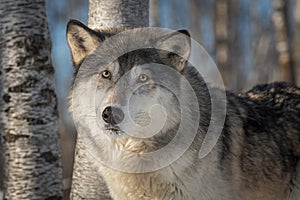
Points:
point(175, 49)
point(82, 40)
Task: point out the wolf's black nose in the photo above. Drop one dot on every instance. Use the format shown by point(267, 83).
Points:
point(112, 115)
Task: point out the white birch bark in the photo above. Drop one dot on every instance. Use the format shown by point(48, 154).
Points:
point(29, 131)
point(118, 13)
point(87, 183)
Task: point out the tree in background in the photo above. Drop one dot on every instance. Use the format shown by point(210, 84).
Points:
point(296, 39)
point(222, 42)
point(283, 44)
point(29, 130)
point(244, 45)
point(154, 13)
point(252, 42)
point(103, 14)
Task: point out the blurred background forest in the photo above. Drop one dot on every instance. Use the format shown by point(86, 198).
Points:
point(252, 41)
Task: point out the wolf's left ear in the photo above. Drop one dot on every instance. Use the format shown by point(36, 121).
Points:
point(82, 40)
point(175, 48)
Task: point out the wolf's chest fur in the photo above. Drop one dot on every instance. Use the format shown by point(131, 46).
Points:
point(173, 182)
point(144, 186)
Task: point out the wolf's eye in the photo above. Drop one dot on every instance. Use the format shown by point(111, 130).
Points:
point(143, 77)
point(106, 74)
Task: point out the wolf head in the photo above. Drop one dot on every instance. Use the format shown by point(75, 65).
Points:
point(127, 83)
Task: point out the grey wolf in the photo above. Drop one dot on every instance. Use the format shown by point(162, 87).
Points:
point(255, 157)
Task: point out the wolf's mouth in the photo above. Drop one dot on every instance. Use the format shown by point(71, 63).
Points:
point(115, 131)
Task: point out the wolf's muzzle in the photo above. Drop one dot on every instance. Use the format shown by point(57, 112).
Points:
point(112, 115)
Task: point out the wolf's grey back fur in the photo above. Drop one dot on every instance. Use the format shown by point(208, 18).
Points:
point(278, 94)
point(270, 142)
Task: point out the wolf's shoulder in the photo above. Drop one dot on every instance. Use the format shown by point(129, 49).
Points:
point(272, 114)
point(268, 118)
point(270, 104)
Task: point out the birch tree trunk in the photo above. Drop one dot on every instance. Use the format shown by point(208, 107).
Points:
point(29, 132)
point(87, 183)
point(118, 13)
